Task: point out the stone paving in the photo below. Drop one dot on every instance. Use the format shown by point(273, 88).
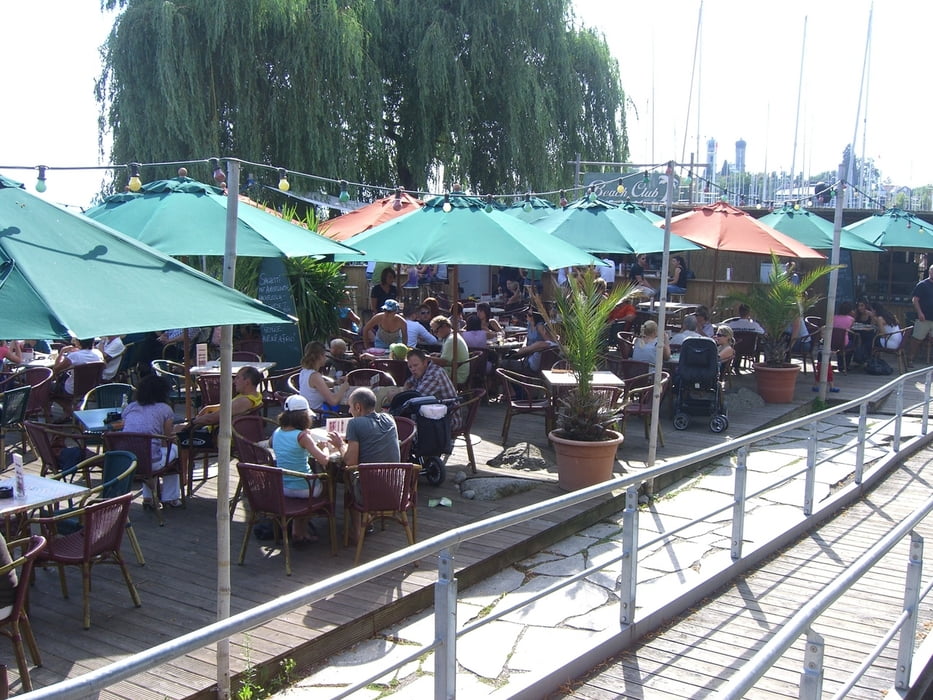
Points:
point(494, 658)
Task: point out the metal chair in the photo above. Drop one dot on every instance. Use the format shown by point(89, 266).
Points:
point(249, 434)
point(746, 347)
point(245, 356)
point(107, 396)
point(370, 377)
point(524, 395)
point(632, 368)
point(842, 349)
point(253, 346)
point(384, 490)
point(397, 369)
point(468, 407)
point(174, 373)
point(48, 443)
point(40, 398)
point(884, 340)
point(85, 377)
point(12, 415)
point(263, 486)
point(16, 625)
point(96, 542)
point(406, 429)
point(275, 387)
point(639, 392)
point(147, 471)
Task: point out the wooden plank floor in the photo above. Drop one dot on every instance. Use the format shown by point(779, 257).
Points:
point(695, 654)
point(177, 585)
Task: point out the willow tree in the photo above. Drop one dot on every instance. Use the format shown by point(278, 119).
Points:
point(502, 94)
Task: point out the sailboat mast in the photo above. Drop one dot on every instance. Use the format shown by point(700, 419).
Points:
point(850, 175)
point(793, 158)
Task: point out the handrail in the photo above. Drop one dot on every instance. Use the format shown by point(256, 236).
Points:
point(98, 679)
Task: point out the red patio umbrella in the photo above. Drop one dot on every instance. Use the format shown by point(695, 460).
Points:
point(365, 218)
point(721, 226)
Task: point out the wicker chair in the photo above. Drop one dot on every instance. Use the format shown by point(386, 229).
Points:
point(140, 444)
point(249, 434)
point(16, 625)
point(468, 407)
point(263, 486)
point(639, 393)
point(407, 429)
point(524, 395)
point(881, 348)
point(385, 490)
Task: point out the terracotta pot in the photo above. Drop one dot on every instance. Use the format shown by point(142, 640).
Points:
point(776, 384)
point(581, 464)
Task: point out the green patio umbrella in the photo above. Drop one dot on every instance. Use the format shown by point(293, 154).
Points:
point(641, 211)
point(181, 216)
point(598, 226)
point(813, 230)
point(61, 274)
point(895, 229)
point(466, 235)
point(530, 208)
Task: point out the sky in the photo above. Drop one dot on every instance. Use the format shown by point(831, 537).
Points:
point(746, 82)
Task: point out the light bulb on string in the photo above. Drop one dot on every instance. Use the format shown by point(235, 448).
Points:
point(397, 204)
point(219, 175)
point(620, 188)
point(527, 205)
point(796, 206)
point(283, 181)
point(646, 178)
point(447, 205)
point(344, 195)
point(591, 195)
point(250, 180)
point(40, 182)
point(134, 183)
point(489, 204)
point(563, 199)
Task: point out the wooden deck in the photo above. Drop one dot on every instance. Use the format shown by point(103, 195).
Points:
point(177, 584)
point(697, 653)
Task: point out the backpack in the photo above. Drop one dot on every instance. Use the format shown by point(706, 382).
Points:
point(877, 366)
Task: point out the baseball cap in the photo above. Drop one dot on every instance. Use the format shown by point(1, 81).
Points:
point(390, 305)
point(296, 402)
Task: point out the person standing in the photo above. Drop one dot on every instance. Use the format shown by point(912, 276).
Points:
point(922, 299)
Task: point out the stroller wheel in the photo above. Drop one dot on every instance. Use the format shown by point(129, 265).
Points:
point(718, 423)
point(434, 471)
point(681, 421)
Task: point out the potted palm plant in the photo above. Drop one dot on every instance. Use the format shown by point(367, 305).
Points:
point(777, 306)
point(584, 443)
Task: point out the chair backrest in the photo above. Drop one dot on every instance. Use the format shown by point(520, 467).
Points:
point(370, 377)
point(643, 399)
point(40, 379)
point(246, 356)
point(104, 524)
point(407, 429)
point(253, 346)
point(209, 386)
point(813, 323)
point(468, 407)
point(389, 486)
point(838, 339)
point(291, 381)
point(263, 487)
point(632, 368)
point(108, 395)
point(41, 442)
point(520, 388)
point(167, 368)
point(87, 376)
point(117, 473)
point(248, 432)
point(34, 546)
point(138, 444)
point(15, 403)
point(397, 369)
point(746, 343)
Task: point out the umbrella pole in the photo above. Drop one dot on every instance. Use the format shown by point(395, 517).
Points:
point(712, 299)
point(455, 326)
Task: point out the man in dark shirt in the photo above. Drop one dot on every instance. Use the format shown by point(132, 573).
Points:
point(637, 276)
point(923, 305)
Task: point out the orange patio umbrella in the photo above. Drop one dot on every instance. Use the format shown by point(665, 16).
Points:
point(369, 216)
point(721, 226)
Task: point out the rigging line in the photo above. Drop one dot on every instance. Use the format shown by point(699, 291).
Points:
point(862, 170)
point(850, 175)
point(696, 49)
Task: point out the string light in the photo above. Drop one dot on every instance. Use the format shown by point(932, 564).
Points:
point(489, 204)
point(250, 180)
point(591, 194)
point(40, 182)
point(135, 184)
point(219, 176)
point(344, 195)
point(620, 188)
point(645, 178)
point(447, 205)
point(563, 199)
point(527, 205)
point(397, 204)
point(283, 181)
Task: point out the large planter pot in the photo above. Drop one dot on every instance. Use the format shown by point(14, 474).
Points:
point(776, 384)
point(581, 464)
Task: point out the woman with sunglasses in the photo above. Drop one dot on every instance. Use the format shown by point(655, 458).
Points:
point(724, 340)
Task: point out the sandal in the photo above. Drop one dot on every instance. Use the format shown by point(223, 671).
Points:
point(173, 504)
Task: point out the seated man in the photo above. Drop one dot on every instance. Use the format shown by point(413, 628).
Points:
point(430, 380)
point(688, 329)
point(248, 398)
point(417, 334)
point(745, 322)
point(112, 348)
point(81, 353)
point(704, 327)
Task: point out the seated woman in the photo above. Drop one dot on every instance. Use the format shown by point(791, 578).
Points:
point(348, 320)
point(646, 344)
point(886, 323)
point(11, 351)
point(724, 343)
point(486, 321)
point(311, 383)
point(677, 283)
point(293, 443)
point(537, 340)
point(151, 413)
point(386, 327)
point(514, 294)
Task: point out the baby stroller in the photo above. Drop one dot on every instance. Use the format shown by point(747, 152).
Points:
point(697, 387)
point(433, 442)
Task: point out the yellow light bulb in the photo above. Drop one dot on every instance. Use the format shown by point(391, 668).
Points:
point(283, 185)
point(135, 183)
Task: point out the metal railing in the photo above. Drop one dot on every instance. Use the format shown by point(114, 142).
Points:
point(443, 545)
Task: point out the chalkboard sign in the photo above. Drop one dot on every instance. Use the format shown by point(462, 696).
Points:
point(845, 285)
point(280, 341)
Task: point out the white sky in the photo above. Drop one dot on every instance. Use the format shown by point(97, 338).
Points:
point(747, 74)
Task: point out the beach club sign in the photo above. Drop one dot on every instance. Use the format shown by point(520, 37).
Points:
point(636, 186)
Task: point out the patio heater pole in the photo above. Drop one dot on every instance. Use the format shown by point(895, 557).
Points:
point(833, 283)
point(662, 320)
point(224, 437)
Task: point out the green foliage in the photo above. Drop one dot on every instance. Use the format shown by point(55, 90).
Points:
point(583, 314)
point(317, 288)
point(778, 304)
point(502, 94)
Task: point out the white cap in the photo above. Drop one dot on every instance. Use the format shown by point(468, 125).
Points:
point(297, 402)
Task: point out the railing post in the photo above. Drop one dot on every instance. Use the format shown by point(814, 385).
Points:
point(811, 680)
point(738, 503)
point(445, 627)
point(809, 488)
point(912, 583)
point(629, 557)
point(860, 445)
point(926, 404)
point(898, 415)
